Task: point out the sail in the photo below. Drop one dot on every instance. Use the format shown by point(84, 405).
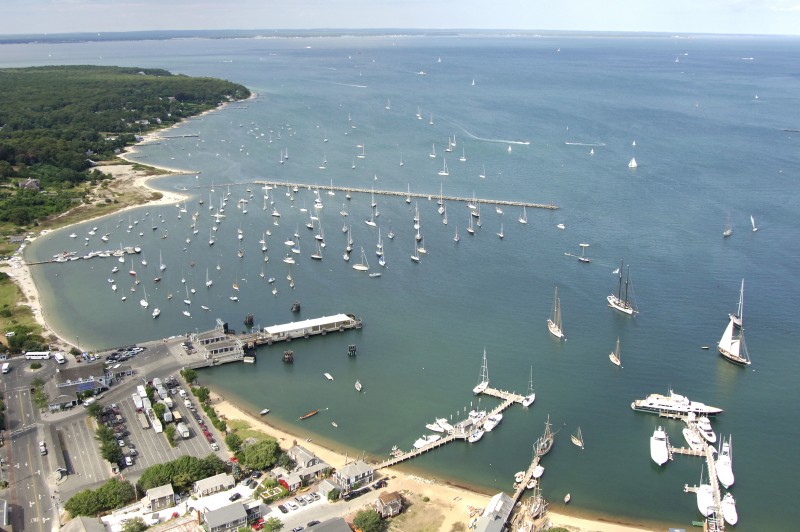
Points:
point(728, 343)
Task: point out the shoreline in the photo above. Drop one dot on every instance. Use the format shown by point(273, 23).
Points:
point(452, 499)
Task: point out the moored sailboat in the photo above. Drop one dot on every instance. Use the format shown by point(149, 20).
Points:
point(554, 322)
point(732, 346)
point(622, 300)
point(614, 355)
point(484, 376)
point(531, 397)
point(577, 439)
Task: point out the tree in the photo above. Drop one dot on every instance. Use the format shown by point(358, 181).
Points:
point(136, 524)
point(110, 452)
point(84, 502)
point(189, 375)
point(234, 442)
point(202, 393)
point(333, 495)
point(260, 455)
point(368, 521)
point(159, 409)
point(113, 494)
point(169, 432)
point(273, 524)
point(95, 410)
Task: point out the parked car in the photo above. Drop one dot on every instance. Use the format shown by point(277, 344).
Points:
point(128, 461)
point(316, 496)
point(283, 509)
point(300, 501)
point(235, 497)
point(312, 523)
point(291, 505)
point(121, 443)
point(133, 452)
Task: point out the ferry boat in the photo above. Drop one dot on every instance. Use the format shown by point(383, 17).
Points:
point(312, 413)
point(673, 404)
point(659, 446)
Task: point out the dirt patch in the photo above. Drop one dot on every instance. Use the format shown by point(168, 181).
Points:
point(419, 515)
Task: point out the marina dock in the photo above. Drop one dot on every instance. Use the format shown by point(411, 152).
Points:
point(415, 195)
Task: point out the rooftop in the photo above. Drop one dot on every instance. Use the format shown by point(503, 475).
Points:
point(160, 491)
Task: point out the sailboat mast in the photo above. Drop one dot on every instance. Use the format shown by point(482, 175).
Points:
point(627, 280)
point(619, 272)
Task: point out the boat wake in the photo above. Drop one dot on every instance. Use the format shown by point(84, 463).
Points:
point(593, 144)
point(483, 139)
point(345, 84)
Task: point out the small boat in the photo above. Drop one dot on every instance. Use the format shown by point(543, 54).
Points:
point(264, 412)
point(518, 476)
point(358, 386)
point(561, 226)
point(728, 227)
point(187, 313)
point(328, 376)
point(753, 223)
point(729, 509)
point(204, 307)
point(334, 424)
point(554, 322)
point(567, 498)
point(484, 377)
point(491, 422)
point(538, 471)
point(694, 439)
point(475, 436)
point(156, 313)
point(659, 446)
point(375, 274)
point(614, 355)
point(632, 163)
point(435, 427)
point(531, 397)
point(577, 439)
point(442, 422)
point(312, 413)
point(500, 234)
point(523, 219)
point(583, 258)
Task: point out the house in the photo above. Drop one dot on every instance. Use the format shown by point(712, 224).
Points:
point(160, 497)
point(309, 466)
point(231, 517)
point(255, 509)
point(389, 504)
point(210, 485)
point(30, 184)
point(290, 481)
point(354, 474)
point(325, 487)
point(495, 514)
point(336, 524)
point(70, 383)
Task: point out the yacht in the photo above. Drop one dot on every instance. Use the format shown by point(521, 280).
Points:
point(484, 382)
point(673, 404)
point(694, 439)
point(724, 464)
point(703, 426)
point(729, 509)
point(705, 499)
point(442, 422)
point(531, 397)
point(659, 446)
point(435, 427)
point(475, 436)
point(622, 300)
point(492, 421)
point(426, 440)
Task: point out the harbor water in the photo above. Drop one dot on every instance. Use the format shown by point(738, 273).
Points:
point(713, 124)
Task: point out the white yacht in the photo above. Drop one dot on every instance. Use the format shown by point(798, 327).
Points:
point(705, 499)
point(475, 436)
point(673, 404)
point(442, 422)
point(693, 438)
point(426, 440)
point(484, 382)
point(554, 322)
point(435, 427)
point(492, 421)
point(724, 464)
point(659, 446)
point(703, 426)
point(729, 509)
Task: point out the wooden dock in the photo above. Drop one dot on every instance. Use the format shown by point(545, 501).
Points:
point(685, 451)
point(714, 522)
point(409, 195)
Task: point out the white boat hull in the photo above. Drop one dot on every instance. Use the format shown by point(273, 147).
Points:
point(659, 447)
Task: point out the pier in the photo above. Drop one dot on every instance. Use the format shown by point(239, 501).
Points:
point(409, 195)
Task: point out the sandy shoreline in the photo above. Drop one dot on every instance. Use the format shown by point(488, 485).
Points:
point(453, 501)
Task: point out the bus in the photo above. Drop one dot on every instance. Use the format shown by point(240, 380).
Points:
point(37, 355)
point(60, 358)
point(6, 367)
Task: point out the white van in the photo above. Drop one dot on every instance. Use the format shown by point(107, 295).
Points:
point(60, 358)
point(6, 367)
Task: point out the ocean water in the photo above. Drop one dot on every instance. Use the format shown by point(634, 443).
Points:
point(715, 123)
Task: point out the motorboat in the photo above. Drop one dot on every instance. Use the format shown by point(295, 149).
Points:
point(475, 436)
point(659, 446)
point(693, 438)
point(492, 421)
point(724, 464)
point(705, 499)
point(435, 427)
point(729, 509)
point(673, 404)
point(538, 471)
point(443, 423)
point(264, 412)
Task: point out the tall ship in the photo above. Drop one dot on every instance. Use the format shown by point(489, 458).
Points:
point(545, 442)
point(484, 382)
point(673, 403)
point(731, 346)
point(623, 300)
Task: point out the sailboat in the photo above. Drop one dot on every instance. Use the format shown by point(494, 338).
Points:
point(753, 223)
point(523, 219)
point(363, 265)
point(577, 439)
point(408, 193)
point(415, 255)
point(614, 355)
point(463, 157)
point(456, 238)
point(583, 258)
point(531, 397)
point(484, 382)
point(388, 104)
point(501, 235)
point(632, 163)
point(620, 300)
point(482, 175)
point(728, 227)
point(737, 318)
point(209, 282)
point(731, 346)
point(156, 313)
point(554, 322)
point(143, 302)
point(432, 154)
point(161, 265)
point(470, 230)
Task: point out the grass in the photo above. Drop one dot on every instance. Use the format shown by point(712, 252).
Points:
point(244, 431)
point(10, 295)
point(417, 515)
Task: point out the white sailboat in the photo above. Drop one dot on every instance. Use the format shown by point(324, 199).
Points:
point(482, 175)
point(143, 302)
point(484, 382)
point(728, 227)
point(632, 163)
point(531, 397)
point(554, 322)
point(444, 171)
point(363, 265)
point(523, 219)
point(732, 346)
point(753, 223)
point(614, 355)
point(622, 300)
point(408, 193)
point(209, 282)
point(456, 238)
point(583, 258)
point(161, 265)
point(415, 255)
point(577, 438)
point(432, 154)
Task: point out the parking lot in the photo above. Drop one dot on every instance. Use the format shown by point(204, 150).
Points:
point(88, 468)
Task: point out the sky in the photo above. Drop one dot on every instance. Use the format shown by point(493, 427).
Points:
point(672, 16)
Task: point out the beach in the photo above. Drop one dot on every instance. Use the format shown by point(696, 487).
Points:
point(454, 502)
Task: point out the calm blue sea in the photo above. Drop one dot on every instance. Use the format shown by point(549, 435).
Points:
point(715, 124)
